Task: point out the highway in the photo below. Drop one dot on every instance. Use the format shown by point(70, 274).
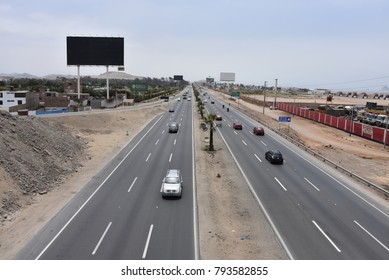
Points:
point(120, 213)
point(316, 211)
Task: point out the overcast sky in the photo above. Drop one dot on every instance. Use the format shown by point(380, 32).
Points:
point(306, 43)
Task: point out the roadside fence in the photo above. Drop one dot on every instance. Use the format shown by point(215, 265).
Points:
point(377, 134)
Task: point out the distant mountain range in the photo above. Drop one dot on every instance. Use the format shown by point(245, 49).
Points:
point(385, 89)
point(19, 76)
point(111, 75)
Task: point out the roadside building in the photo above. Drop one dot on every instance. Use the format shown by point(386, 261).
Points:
point(13, 101)
point(9, 99)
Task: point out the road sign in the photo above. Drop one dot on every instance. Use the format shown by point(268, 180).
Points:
point(284, 119)
point(235, 94)
point(139, 87)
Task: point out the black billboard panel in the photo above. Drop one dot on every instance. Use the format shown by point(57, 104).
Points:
point(178, 77)
point(95, 51)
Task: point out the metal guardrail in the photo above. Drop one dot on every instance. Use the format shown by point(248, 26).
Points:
point(301, 145)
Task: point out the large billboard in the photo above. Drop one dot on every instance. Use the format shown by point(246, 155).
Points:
point(227, 77)
point(105, 51)
point(178, 77)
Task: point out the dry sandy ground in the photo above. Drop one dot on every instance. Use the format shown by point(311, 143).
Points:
point(336, 100)
point(238, 231)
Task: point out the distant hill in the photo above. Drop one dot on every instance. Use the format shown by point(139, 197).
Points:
point(117, 75)
point(384, 89)
point(19, 76)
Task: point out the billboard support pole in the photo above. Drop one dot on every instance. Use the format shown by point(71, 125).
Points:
point(78, 82)
point(107, 84)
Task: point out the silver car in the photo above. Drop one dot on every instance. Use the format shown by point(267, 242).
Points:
point(172, 184)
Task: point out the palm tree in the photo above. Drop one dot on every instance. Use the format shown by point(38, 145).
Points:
point(200, 106)
point(210, 118)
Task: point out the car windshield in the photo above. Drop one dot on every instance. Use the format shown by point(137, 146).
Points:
point(172, 180)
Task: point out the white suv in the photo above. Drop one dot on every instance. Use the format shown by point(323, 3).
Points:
point(172, 184)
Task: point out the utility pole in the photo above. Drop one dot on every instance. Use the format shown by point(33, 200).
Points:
point(264, 97)
point(386, 129)
point(352, 119)
point(275, 96)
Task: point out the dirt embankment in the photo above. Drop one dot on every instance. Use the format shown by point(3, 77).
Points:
point(35, 157)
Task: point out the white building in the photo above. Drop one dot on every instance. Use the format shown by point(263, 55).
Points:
point(9, 99)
